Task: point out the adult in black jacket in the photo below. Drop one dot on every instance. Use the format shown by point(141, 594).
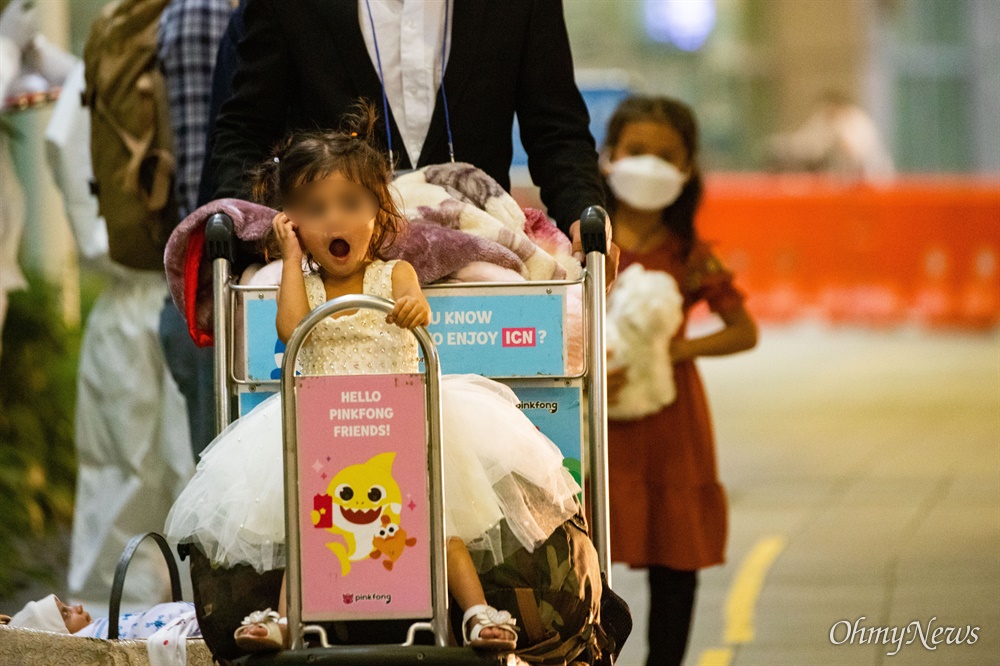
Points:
point(303, 63)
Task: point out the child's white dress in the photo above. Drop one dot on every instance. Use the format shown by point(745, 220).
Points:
point(505, 484)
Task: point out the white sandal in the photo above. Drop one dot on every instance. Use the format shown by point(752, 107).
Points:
point(487, 616)
point(272, 642)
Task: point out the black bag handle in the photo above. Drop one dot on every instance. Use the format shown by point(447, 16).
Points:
point(122, 568)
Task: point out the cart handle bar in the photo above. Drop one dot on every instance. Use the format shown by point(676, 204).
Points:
point(593, 230)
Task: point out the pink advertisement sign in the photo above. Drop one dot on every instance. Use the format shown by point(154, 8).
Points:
point(363, 502)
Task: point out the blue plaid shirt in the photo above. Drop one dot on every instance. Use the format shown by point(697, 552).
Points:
point(190, 31)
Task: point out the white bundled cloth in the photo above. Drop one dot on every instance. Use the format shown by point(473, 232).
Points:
point(168, 646)
point(41, 615)
point(645, 310)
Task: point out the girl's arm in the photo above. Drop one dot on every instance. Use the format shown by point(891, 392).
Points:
point(293, 303)
point(412, 309)
point(739, 335)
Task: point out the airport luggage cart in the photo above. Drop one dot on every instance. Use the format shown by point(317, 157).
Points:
point(520, 334)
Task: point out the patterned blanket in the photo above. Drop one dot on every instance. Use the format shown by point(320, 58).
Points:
point(462, 198)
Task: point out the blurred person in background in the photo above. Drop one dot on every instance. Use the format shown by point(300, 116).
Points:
point(226, 64)
point(189, 38)
point(668, 509)
point(494, 60)
point(11, 194)
point(126, 467)
point(29, 64)
point(132, 445)
point(838, 138)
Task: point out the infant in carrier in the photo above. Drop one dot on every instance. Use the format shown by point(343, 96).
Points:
point(505, 484)
point(51, 614)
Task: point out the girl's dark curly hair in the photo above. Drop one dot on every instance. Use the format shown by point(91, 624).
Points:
point(304, 157)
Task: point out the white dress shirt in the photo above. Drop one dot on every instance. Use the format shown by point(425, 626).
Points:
point(410, 33)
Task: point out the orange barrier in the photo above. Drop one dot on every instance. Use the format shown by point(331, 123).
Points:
point(923, 249)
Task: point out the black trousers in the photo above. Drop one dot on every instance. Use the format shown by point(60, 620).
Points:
point(671, 605)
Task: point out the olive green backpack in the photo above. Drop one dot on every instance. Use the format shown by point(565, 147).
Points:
point(131, 143)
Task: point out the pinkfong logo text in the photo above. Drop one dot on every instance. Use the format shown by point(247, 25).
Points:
point(358, 598)
point(550, 407)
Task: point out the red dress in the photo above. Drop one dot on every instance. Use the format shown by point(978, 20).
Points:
point(667, 505)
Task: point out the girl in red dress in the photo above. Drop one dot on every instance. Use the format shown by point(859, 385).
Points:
point(668, 509)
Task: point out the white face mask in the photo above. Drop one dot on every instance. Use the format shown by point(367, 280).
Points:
point(645, 182)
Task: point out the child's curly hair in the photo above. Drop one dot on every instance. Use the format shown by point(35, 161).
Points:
point(307, 156)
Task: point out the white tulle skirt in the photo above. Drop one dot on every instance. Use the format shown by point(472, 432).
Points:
point(505, 484)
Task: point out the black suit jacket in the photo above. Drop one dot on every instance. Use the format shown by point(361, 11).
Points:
point(303, 63)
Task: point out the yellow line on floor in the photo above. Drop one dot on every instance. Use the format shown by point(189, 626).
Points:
point(716, 657)
point(746, 588)
point(742, 599)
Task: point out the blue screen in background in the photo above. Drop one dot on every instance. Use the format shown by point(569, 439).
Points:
point(601, 103)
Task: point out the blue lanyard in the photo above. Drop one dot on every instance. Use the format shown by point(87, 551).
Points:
point(385, 98)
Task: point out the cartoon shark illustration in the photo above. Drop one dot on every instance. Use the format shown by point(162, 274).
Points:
point(361, 497)
point(390, 541)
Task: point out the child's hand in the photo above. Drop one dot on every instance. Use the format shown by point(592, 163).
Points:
point(288, 238)
point(410, 312)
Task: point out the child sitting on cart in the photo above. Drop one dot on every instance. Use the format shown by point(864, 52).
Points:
point(505, 484)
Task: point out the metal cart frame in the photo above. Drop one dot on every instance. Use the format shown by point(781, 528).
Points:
point(219, 235)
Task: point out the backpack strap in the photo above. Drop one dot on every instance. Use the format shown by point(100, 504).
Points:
point(527, 608)
point(122, 569)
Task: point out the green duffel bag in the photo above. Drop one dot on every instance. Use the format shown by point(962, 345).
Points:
point(555, 595)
